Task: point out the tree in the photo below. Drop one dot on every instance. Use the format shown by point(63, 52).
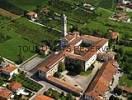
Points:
point(121, 51)
point(61, 67)
point(74, 66)
point(117, 91)
point(57, 74)
point(130, 74)
point(55, 94)
point(113, 98)
point(1, 60)
point(126, 68)
point(69, 97)
point(38, 8)
point(20, 58)
point(125, 58)
point(48, 93)
point(51, 2)
point(117, 57)
point(129, 97)
point(74, 28)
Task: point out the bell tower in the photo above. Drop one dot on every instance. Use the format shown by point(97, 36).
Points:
point(64, 21)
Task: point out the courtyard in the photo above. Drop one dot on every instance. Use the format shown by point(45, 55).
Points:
point(83, 79)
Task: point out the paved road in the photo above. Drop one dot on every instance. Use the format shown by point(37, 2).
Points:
point(39, 92)
point(97, 66)
point(32, 63)
point(45, 26)
point(48, 85)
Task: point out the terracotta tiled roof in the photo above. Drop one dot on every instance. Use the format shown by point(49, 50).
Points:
point(9, 68)
point(49, 63)
point(68, 51)
point(43, 97)
point(90, 51)
point(90, 38)
point(65, 84)
point(14, 86)
point(69, 37)
point(75, 41)
point(114, 35)
point(5, 93)
point(102, 80)
point(31, 13)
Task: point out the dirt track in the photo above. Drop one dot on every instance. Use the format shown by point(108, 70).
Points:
point(8, 14)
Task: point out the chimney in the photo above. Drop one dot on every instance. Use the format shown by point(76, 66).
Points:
point(64, 20)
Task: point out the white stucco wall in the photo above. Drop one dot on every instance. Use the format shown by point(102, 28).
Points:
point(77, 44)
point(10, 74)
point(90, 61)
point(51, 71)
point(104, 48)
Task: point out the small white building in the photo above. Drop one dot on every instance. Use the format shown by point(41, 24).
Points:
point(5, 94)
point(125, 1)
point(9, 70)
point(15, 86)
point(32, 15)
point(50, 65)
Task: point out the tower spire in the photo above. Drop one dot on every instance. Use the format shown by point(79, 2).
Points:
point(64, 20)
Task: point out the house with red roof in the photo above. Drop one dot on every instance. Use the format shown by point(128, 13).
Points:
point(32, 15)
point(15, 86)
point(103, 82)
point(5, 94)
point(113, 35)
point(8, 70)
point(43, 97)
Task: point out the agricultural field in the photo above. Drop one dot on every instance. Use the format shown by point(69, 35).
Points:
point(31, 4)
point(126, 80)
point(8, 14)
point(26, 82)
point(19, 37)
point(23, 32)
point(27, 4)
point(86, 21)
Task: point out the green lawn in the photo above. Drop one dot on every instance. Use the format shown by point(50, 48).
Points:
point(86, 73)
point(1, 82)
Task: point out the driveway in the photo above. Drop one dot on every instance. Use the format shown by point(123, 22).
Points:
point(32, 63)
point(48, 85)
